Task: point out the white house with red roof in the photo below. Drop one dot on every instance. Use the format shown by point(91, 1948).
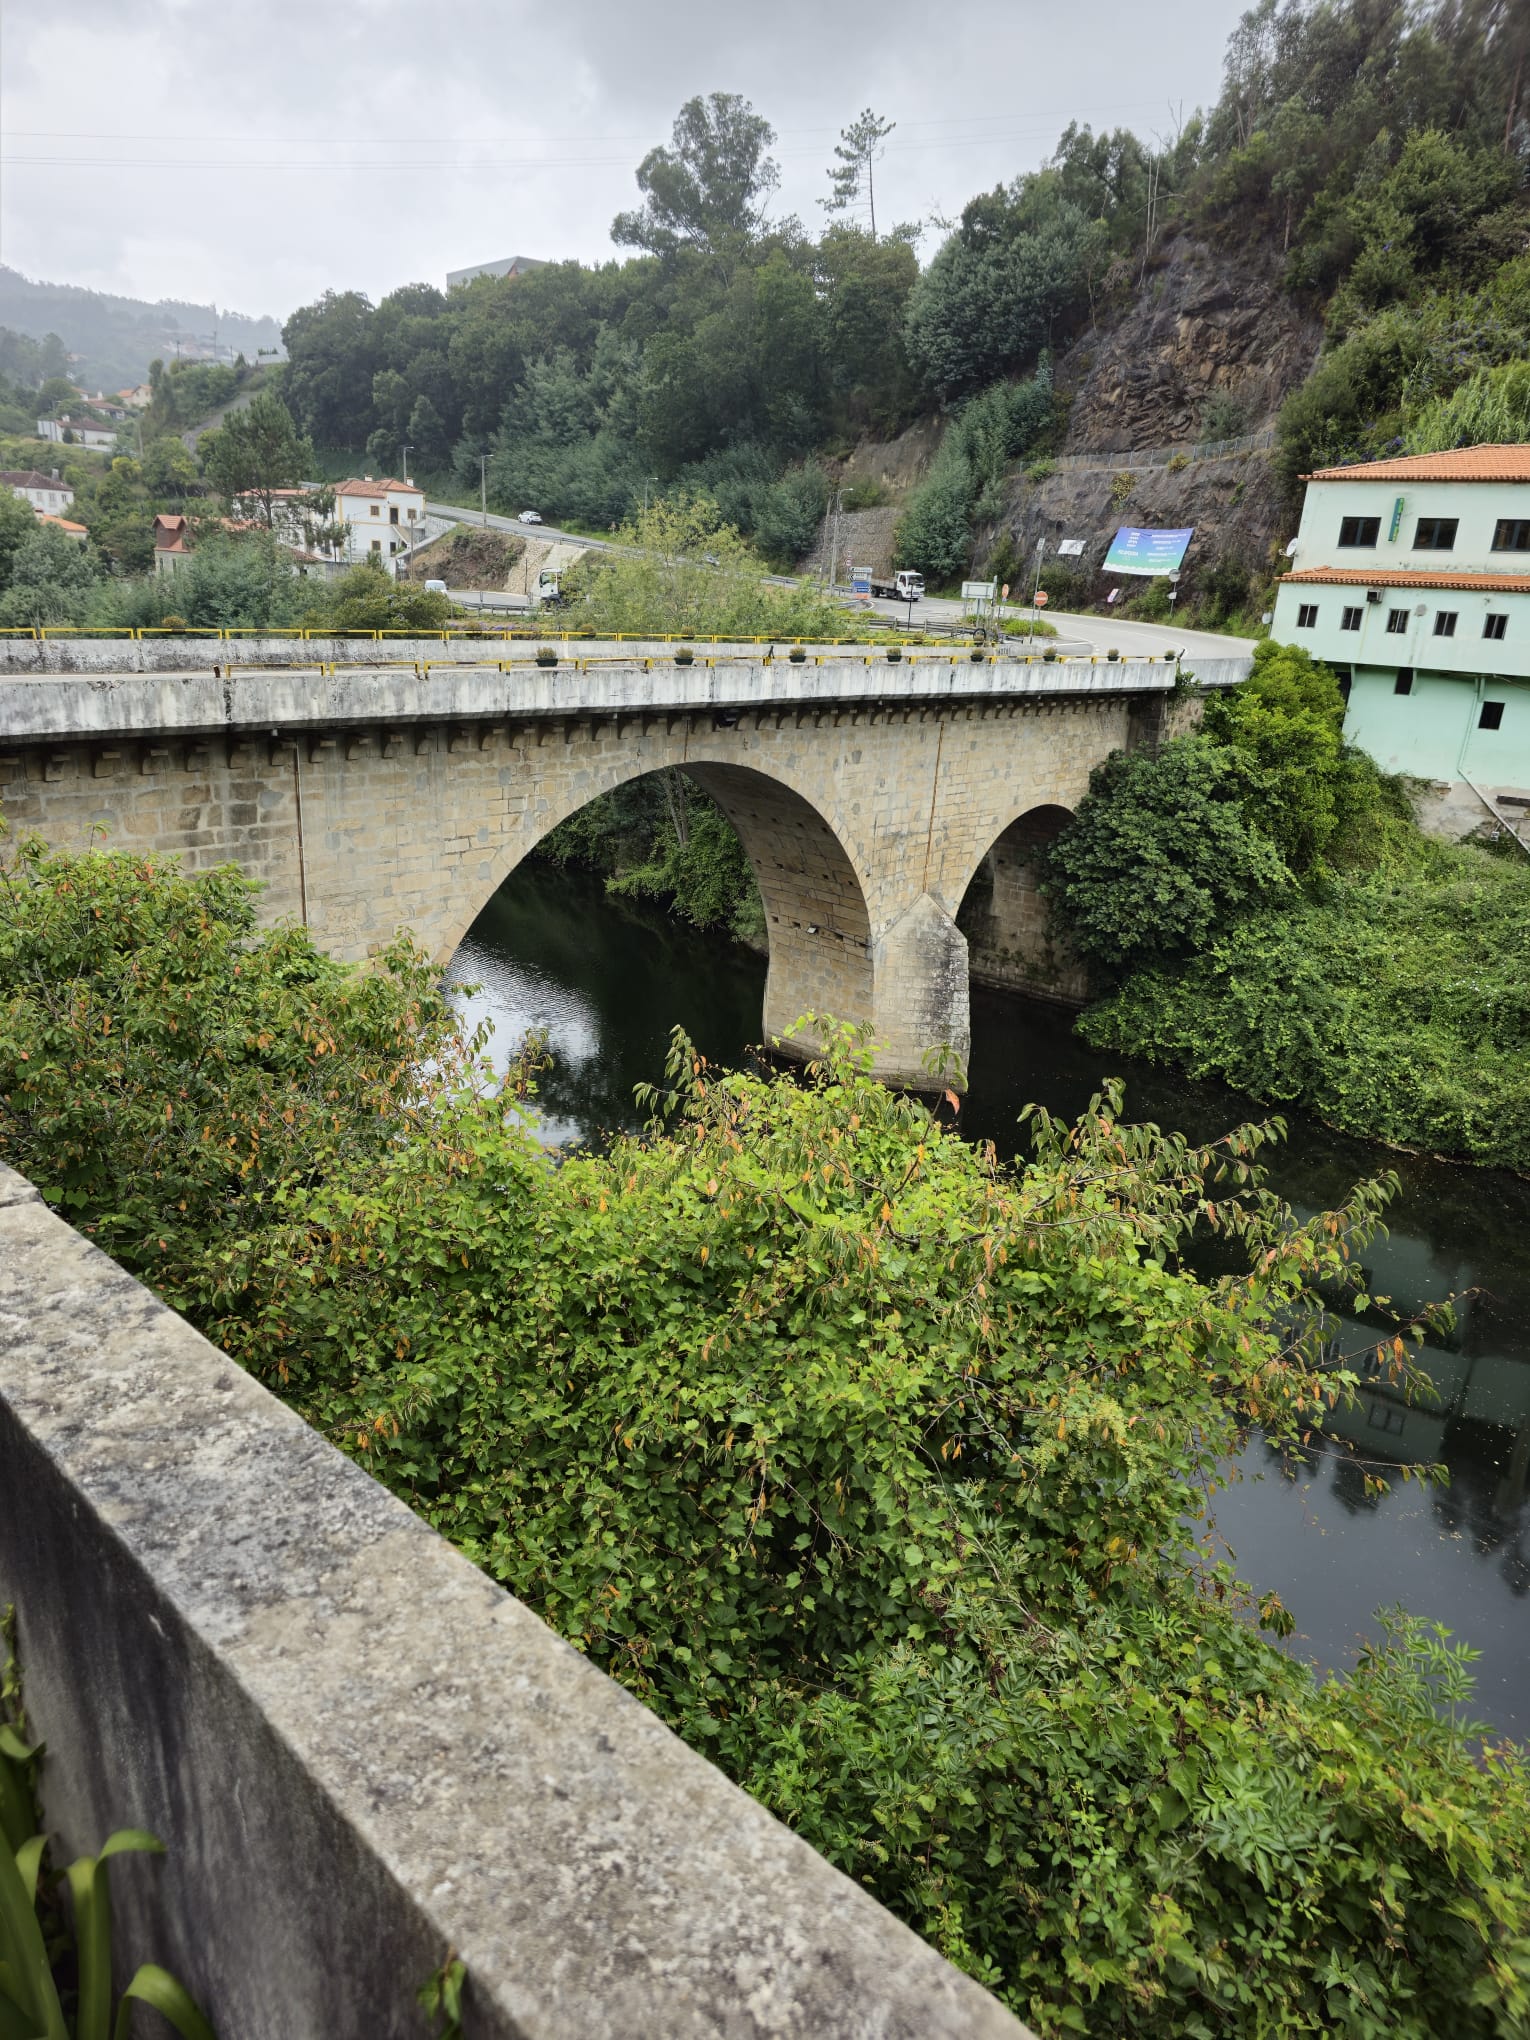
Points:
point(380, 519)
point(1411, 578)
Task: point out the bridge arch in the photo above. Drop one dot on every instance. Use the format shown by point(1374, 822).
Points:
point(817, 925)
point(1004, 915)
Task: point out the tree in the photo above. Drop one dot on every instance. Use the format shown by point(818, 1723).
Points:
point(858, 149)
point(51, 578)
point(1160, 857)
point(169, 469)
point(704, 191)
point(56, 396)
point(18, 523)
point(256, 452)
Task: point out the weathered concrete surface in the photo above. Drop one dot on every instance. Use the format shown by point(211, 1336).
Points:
point(40, 708)
point(359, 1751)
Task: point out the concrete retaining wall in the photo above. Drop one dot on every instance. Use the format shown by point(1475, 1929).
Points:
point(359, 1751)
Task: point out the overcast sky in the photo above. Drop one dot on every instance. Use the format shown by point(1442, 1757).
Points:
point(254, 155)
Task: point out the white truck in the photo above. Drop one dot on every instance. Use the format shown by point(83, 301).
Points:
point(903, 586)
point(549, 590)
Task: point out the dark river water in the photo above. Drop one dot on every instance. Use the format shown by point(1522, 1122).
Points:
point(608, 980)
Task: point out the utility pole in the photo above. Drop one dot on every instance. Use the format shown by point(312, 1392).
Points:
point(407, 450)
point(483, 487)
point(834, 542)
point(646, 480)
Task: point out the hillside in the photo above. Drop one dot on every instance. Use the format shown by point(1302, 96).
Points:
point(1331, 260)
point(111, 340)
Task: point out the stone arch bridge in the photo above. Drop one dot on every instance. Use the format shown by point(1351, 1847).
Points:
point(887, 808)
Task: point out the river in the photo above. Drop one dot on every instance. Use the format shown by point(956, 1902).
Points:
point(607, 980)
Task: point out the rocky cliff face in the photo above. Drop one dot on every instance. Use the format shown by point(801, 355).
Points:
point(1206, 332)
point(1202, 326)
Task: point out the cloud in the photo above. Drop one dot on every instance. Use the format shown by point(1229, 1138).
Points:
point(256, 156)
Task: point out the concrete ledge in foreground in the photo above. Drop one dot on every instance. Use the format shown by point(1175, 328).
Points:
point(359, 1751)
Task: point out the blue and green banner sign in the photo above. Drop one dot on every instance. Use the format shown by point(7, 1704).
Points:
point(1134, 550)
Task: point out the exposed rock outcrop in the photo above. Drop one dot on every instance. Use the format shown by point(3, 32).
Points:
point(1203, 325)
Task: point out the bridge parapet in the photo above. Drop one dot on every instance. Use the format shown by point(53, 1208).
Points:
point(601, 682)
point(360, 1752)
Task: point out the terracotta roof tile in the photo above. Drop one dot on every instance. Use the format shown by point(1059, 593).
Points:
point(30, 478)
point(1401, 577)
point(378, 488)
point(1464, 464)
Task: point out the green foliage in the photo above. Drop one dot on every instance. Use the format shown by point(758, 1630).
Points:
point(233, 580)
point(661, 837)
point(256, 451)
point(17, 525)
point(369, 598)
point(683, 570)
point(1384, 998)
point(966, 478)
point(1379, 381)
point(1391, 1004)
point(1492, 409)
point(52, 578)
point(877, 1467)
point(32, 1993)
point(1160, 857)
point(133, 995)
point(706, 190)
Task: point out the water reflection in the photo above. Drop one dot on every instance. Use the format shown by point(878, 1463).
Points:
point(608, 980)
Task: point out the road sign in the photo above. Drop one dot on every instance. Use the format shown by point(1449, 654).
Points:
point(1071, 548)
point(1041, 598)
point(979, 591)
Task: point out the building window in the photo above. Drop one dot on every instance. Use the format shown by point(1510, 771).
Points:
point(1397, 621)
point(1495, 626)
point(393, 513)
point(377, 545)
point(1351, 619)
point(1306, 616)
point(1512, 534)
point(1491, 717)
point(1403, 684)
point(1445, 622)
point(1359, 530)
point(1435, 534)
point(376, 510)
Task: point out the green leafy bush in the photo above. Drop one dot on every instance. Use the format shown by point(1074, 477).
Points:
point(1394, 1005)
point(879, 1468)
point(1160, 857)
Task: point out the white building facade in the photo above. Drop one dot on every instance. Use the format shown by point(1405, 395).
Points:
point(49, 495)
point(1411, 578)
point(380, 519)
point(94, 437)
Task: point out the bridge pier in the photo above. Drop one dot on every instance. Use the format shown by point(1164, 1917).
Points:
point(921, 1008)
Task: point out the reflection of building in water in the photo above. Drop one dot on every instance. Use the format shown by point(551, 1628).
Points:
point(1474, 1418)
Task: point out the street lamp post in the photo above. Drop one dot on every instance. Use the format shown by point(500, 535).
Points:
point(483, 487)
point(406, 450)
point(646, 480)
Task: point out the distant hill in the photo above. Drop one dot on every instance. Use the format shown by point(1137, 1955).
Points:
point(115, 338)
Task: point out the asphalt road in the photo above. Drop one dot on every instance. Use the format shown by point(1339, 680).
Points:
point(1074, 633)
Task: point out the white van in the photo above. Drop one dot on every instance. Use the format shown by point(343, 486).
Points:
point(435, 587)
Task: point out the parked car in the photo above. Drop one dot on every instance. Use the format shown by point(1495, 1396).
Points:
point(531, 517)
point(435, 587)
